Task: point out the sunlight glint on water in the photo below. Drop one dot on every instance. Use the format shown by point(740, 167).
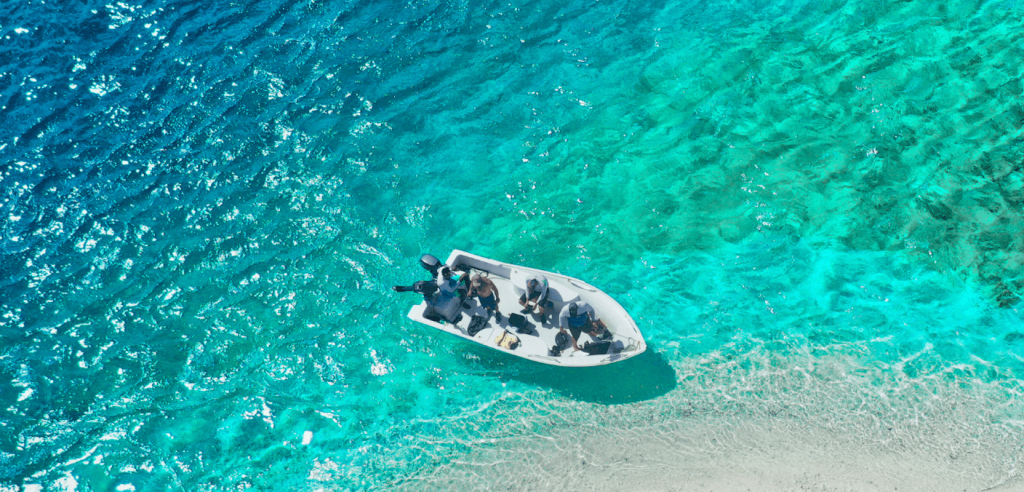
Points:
point(811, 209)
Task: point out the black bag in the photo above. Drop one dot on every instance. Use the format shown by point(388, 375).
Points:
point(476, 323)
point(561, 343)
point(597, 348)
point(516, 320)
point(526, 328)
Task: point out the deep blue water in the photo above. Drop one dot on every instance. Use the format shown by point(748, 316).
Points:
point(811, 209)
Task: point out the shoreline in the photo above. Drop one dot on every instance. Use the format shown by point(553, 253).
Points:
point(758, 461)
point(940, 452)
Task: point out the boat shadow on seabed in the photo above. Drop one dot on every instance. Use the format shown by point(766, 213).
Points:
point(643, 377)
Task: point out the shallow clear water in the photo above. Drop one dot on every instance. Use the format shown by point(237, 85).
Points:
point(811, 209)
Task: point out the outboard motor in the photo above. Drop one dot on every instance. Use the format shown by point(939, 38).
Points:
point(448, 309)
point(427, 288)
point(431, 264)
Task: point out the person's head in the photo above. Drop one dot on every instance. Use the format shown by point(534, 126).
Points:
point(477, 280)
point(446, 273)
point(574, 309)
point(532, 284)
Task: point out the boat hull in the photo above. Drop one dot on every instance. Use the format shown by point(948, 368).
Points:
point(536, 341)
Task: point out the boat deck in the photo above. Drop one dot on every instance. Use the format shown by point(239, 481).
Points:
point(537, 339)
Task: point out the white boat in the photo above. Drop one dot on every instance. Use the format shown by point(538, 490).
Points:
point(537, 340)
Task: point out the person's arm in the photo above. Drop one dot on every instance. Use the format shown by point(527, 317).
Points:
point(575, 346)
point(463, 274)
point(494, 290)
point(529, 301)
point(598, 325)
point(525, 302)
point(563, 321)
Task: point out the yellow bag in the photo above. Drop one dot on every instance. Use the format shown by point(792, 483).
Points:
point(507, 340)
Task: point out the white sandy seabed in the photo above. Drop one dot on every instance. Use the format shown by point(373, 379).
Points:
point(844, 434)
point(764, 456)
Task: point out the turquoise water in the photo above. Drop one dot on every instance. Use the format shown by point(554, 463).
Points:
point(811, 209)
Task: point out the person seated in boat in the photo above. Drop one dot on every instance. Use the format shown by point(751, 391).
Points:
point(535, 299)
point(484, 289)
point(450, 285)
point(579, 317)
